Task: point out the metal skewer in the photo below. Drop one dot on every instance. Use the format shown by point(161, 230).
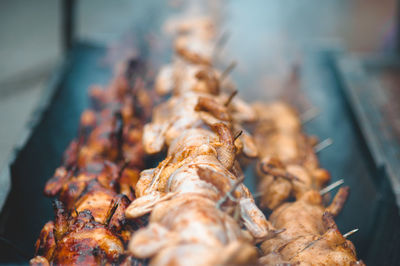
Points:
point(309, 115)
point(229, 193)
point(258, 194)
point(323, 144)
point(233, 94)
point(238, 135)
point(228, 70)
point(350, 233)
point(220, 43)
point(331, 186)
point(223, 39)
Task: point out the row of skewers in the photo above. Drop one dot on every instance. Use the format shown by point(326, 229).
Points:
point(193, 208)
point(291, 186)
point(96, 180)
point(201, 213)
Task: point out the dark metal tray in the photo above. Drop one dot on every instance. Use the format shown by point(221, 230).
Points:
point(371, 206)
point(373, 88)
point(27, 209)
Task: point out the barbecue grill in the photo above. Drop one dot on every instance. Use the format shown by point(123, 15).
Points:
point(353, 113)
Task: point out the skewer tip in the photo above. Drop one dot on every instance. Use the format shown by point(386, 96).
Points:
point(228, 101)
point(323, 145)
point(238, 135)
point(228, 70)
point(331, 187)
point(309, 115)
point(350, 233)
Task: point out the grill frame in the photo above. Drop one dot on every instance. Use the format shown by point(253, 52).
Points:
point(371, 206)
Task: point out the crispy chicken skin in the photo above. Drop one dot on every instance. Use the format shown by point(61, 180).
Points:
point(183, 199)
point(199, 95)
point(81, 240)
point(311, 236)
point(288, 165)
point(200, 211)
point(193, 208)
point(289, 169)
point(96, 180)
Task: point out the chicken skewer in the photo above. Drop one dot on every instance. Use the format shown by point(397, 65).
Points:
point(96, 181)
point(191, 194)
point(199, 210)
point(311, 236)
point(289, 167)
point(184, 211)
point(288, 164)
point(195, 87)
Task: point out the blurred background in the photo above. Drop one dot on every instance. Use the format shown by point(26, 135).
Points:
point(31, 39)
point(280, 46)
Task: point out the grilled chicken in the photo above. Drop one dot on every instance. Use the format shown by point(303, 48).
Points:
point(288, 165)
point(310, 235)
point(185, 195)
point(196, 207)
point(81, 240)
point(200, 211)
point(289, 168)
point(96, 181)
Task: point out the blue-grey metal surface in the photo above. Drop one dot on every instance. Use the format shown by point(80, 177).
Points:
point(27, 209)
point(371, 101)
point(371, 207)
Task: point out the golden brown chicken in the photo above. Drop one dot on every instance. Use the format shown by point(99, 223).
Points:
point(97, 179)
point(80, 239)
point(289, 168)
point(200, 211)
point(190, 218)
point(288, 165)
point(310, 235)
